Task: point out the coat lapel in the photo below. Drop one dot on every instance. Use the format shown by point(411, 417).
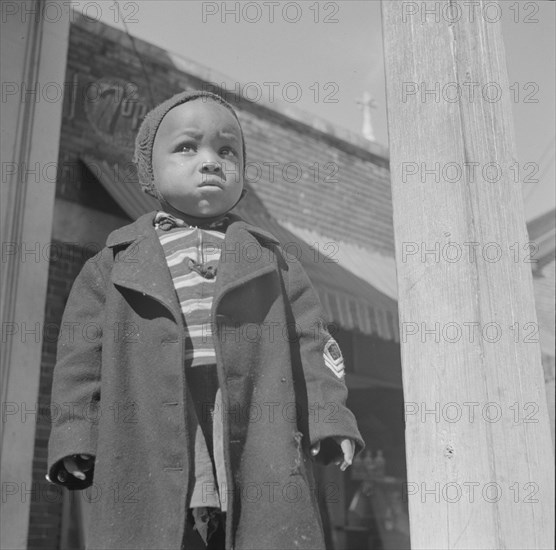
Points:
point(242, 257)
point(142, 266)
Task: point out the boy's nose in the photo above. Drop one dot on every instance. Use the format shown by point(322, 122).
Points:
point(210, 167)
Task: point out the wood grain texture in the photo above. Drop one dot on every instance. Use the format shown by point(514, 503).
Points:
point(480, 461)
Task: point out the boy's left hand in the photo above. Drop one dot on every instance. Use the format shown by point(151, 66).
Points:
point(348, 450)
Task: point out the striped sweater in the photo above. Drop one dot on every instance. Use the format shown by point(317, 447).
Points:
point(184, 248)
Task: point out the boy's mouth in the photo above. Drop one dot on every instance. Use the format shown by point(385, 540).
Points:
point(212, 182)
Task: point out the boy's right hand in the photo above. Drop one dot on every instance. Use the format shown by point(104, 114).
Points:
point(76, 465)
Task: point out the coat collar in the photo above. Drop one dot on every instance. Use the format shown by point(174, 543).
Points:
point(142, 265)
point(144, 227)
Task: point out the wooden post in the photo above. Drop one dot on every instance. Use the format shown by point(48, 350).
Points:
point(479, 453)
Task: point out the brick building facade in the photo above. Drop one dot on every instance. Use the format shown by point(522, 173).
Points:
point(302, 173)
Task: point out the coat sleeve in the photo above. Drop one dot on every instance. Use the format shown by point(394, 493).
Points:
point(75, 401)
point(322, 367)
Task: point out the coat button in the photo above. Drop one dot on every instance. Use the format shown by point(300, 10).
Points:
point(283, 380)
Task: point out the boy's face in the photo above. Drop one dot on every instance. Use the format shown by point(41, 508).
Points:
point(198, 159)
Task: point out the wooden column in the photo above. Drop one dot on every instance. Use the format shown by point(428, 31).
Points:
point(479, 453)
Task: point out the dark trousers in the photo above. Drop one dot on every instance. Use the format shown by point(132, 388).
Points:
point(205, 529)
point(205, 526)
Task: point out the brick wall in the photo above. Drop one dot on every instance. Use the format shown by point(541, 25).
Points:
point(334, 191)
point(46, 500)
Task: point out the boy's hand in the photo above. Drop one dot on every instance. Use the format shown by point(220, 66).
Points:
point(76, 466)
point(348, 450)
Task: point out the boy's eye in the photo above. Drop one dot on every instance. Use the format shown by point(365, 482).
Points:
point(187, 148)
point(228, 151)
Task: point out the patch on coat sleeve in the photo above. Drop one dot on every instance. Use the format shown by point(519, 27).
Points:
point(333, 357)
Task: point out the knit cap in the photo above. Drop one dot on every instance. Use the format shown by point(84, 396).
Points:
point(144, 140)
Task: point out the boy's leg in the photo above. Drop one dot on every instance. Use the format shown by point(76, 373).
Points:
point(210, 524)
point(192, 539)
point(217, 540)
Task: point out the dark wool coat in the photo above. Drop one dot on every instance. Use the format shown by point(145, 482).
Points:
point(120, 392)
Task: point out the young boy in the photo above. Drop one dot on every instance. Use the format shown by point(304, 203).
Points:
point(210, 378)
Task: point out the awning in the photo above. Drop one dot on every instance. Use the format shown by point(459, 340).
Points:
point(349, 301)
point(374, 267)
point(542, 231)
point(122, 186)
